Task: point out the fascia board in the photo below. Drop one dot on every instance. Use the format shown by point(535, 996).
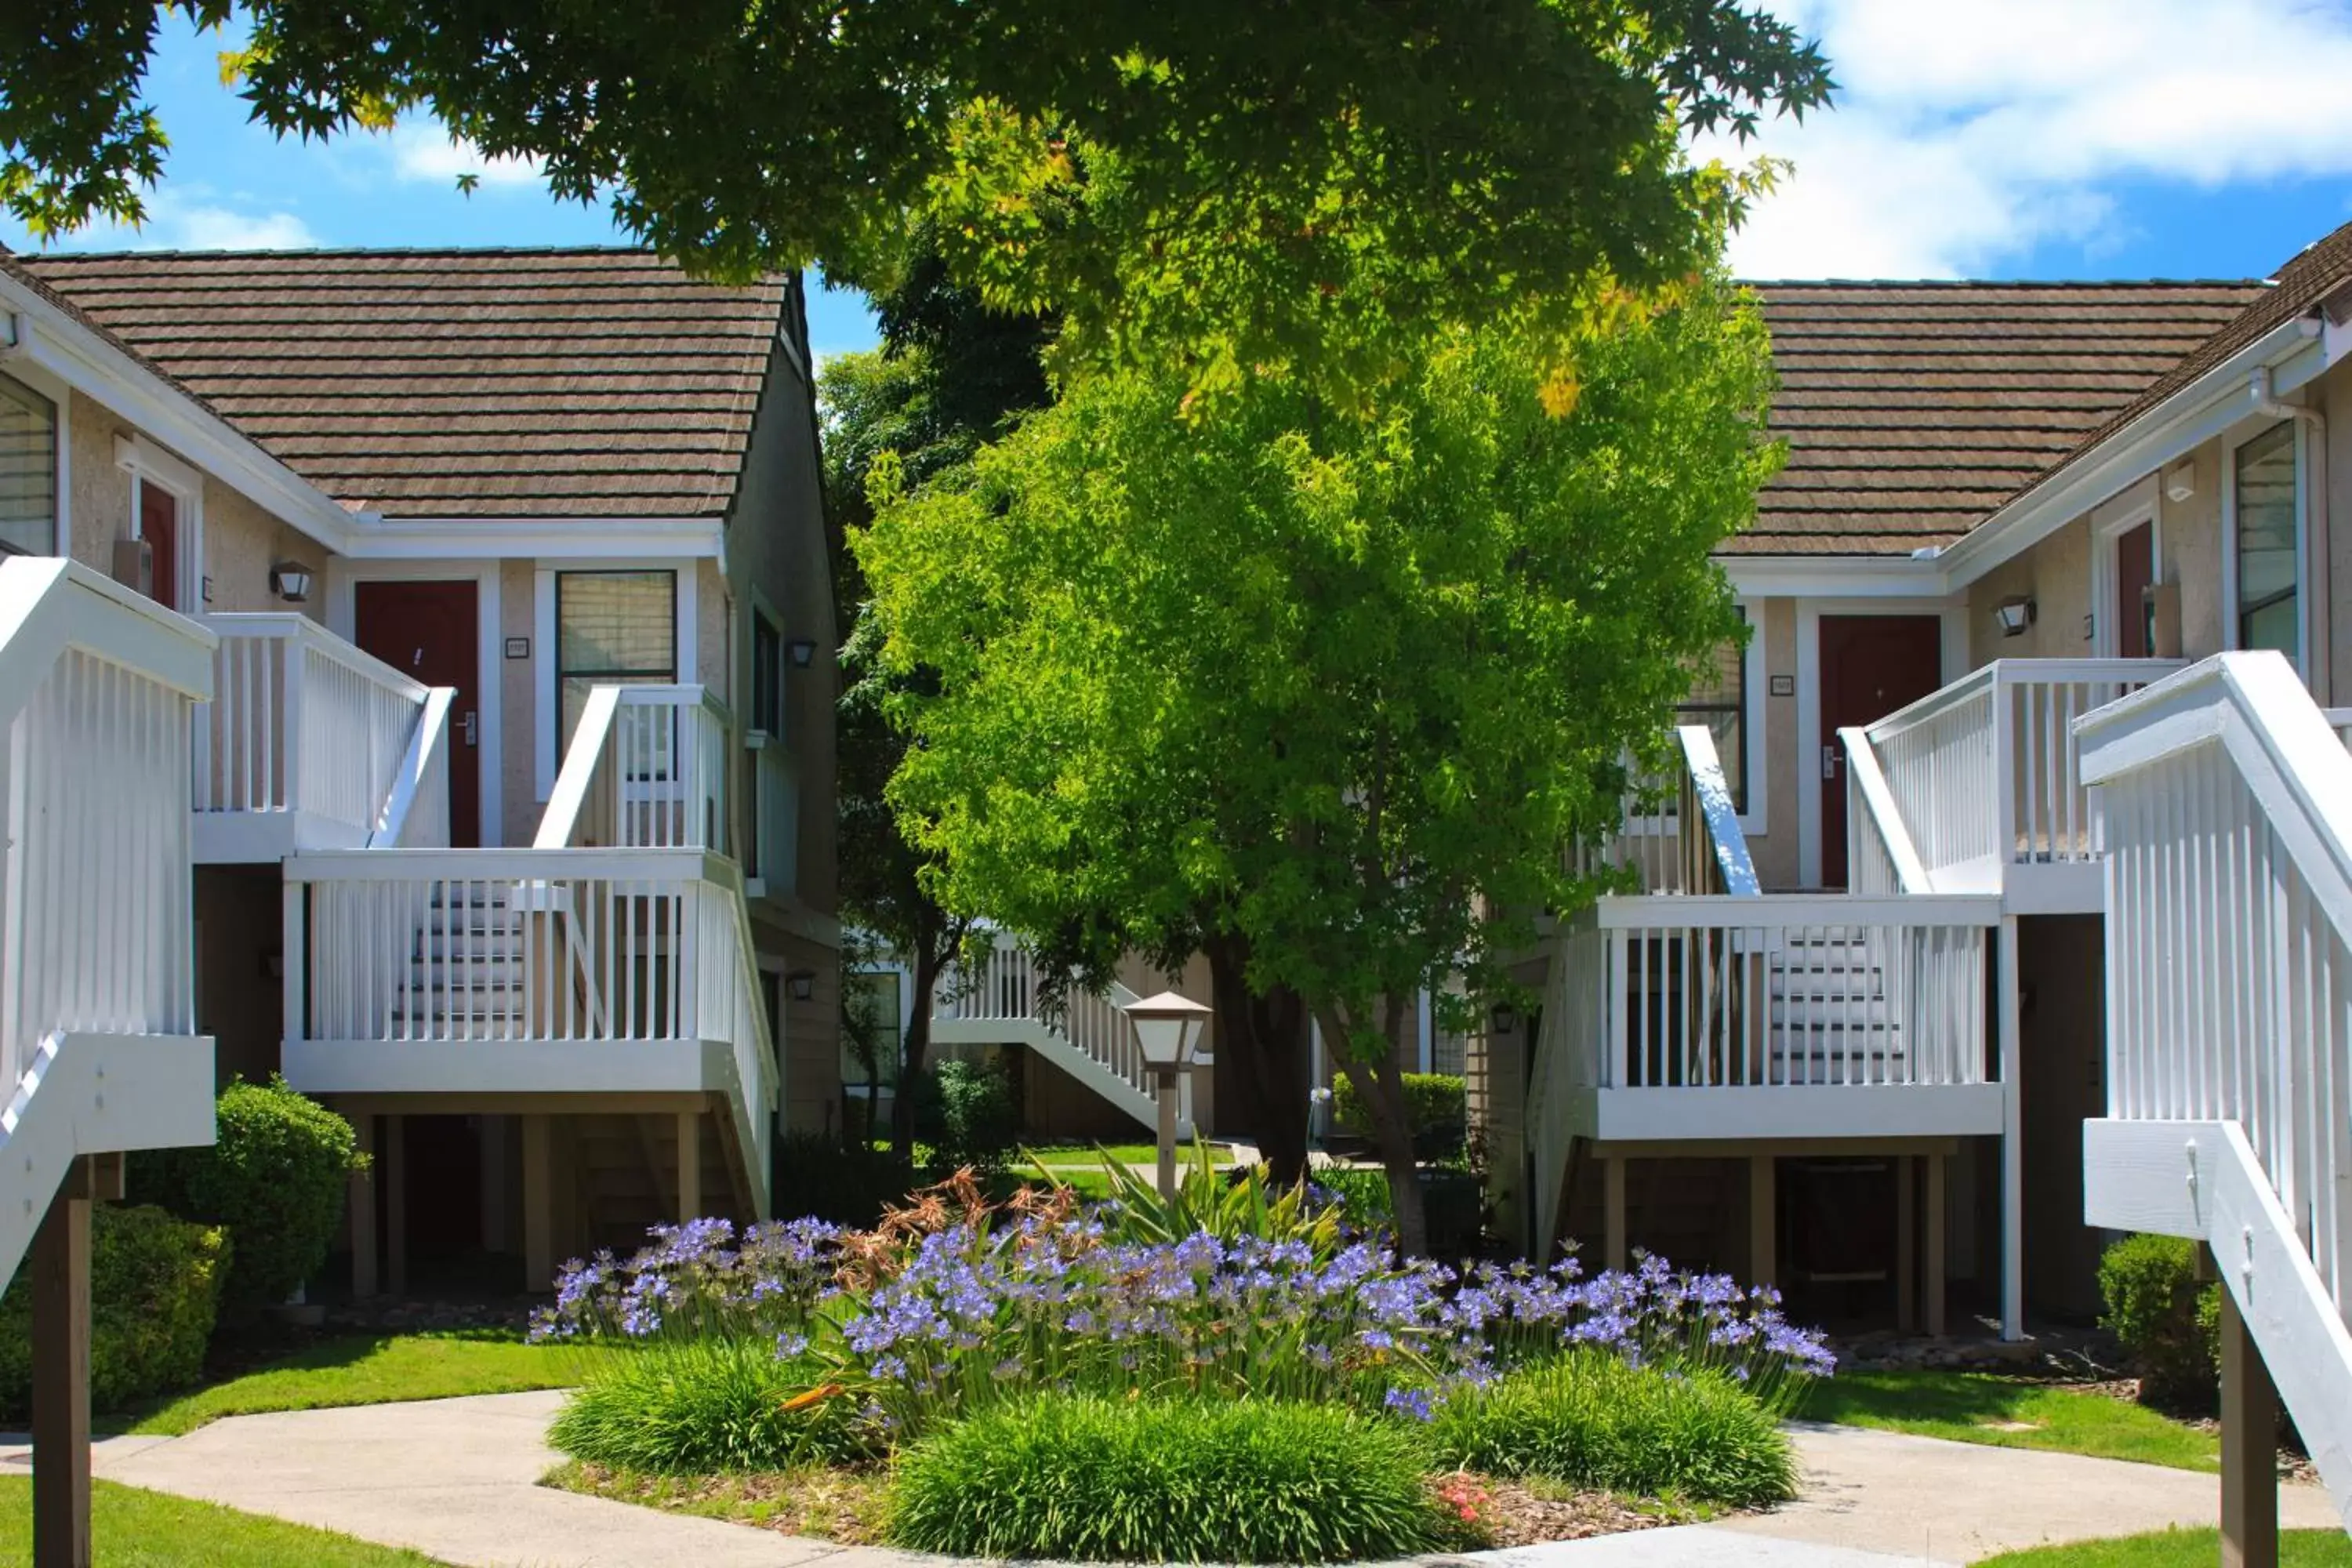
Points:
point(2196, 414)
point(88, 363)
point(1834, 576)
point(545, 539)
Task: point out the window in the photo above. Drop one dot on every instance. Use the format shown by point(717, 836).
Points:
point(2268, 596)
point(874, 1016)
point(1719, 699)
point(611, 628)
point(767, 676)
point(28, 471)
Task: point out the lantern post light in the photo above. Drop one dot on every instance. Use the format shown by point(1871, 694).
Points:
point(1167, 1029)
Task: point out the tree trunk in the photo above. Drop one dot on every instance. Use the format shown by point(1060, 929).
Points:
point(1381, 1085)
point(1262, 1059)
point(929, 960)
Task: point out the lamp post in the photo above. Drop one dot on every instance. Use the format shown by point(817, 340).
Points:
point(1167, 1027)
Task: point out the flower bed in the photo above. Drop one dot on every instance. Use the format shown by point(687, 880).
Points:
point(803, 1344)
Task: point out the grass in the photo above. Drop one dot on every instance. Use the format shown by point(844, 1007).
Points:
point(134, 1529)
point(837, 1504)
point(1090, 1156)
point(374, 1369)
point(2178, 1549)
point(2010, 1413)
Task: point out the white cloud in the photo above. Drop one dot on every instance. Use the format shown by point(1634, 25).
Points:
point(1967, 130)
point(217, 228)
point(423, 150)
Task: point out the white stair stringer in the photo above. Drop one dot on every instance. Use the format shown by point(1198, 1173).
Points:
point(94, 1094)
point(1064, 1053)
point(2202, 1180)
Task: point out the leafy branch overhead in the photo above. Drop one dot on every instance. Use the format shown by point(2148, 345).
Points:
point(1250, 184)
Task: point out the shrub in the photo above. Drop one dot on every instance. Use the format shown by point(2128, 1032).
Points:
point(1593, 1420)
point(1077, 1479)
point(2168, 1322)
point(841, 1184)
point(1436, 1108)
point(1453, 1205)
point(966, 1111)
point(275, 1176)
point(155, 1286)
point(718, 1404)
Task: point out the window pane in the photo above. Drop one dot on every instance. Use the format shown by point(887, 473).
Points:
point(2267, 589)
point(1719, 699)
point(767, 676)
point(876, 996)
point(28, 470)
point(617, 623)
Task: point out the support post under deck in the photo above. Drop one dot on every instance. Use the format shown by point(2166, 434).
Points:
point(2250, 1505)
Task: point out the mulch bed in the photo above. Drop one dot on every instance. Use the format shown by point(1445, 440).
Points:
point(1518, 1517)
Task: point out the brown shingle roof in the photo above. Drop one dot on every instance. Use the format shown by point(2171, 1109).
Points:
point(2315, 275)
point(1912, 410)
point(456, 383)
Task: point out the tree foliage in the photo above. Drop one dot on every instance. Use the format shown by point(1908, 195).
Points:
point(1352, 681)
point(1254, 182)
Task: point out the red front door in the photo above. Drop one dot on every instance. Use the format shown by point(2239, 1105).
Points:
point(428, 631)
point(159, 525)
point(1871, 666)
point(2134, 573)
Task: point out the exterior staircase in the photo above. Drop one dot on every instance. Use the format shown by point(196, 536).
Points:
point(1832, 1021)
point(2226, 808)
point(1088, 1037)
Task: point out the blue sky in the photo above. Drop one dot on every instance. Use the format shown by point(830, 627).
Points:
point(1973, 138)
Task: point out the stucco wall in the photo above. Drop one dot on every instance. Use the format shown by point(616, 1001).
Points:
point(1773, 848)
point(99, 489)
point(519, 680)
point(2056, 575)
point(2335, 557)
point(2189, 540)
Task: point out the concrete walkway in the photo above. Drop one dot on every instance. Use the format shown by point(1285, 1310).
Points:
point(458, 1480)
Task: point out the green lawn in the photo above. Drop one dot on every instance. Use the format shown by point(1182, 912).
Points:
point(134, 1529)
point(1088, 1156)
point(2010, 1413)
point(374, 1369)
point(2178, 1549)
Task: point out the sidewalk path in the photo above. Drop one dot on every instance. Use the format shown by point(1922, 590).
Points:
point(457, 1480)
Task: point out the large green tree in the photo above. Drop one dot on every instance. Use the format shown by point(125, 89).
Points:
point(1350, 680)
point(1246, 183)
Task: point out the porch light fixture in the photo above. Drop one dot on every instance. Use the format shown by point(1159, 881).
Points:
point(1503, 1017)
point(290, 581)
point(803, 650)
point(802, 984)
point(2015, 613)
point(2181, 483)
point(1167, 1028)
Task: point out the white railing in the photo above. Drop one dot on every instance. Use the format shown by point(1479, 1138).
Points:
point(646, 770)
point(1690, 842)
point(2340, 720)
point(95, 922)
point(1564, 1063)
point(1787, 991)
point(2227, 800)
point(416, 814)
point(301, 721)
point(1983, 772)
point(492, 947)
point(1880, 856)
point(1007, 988)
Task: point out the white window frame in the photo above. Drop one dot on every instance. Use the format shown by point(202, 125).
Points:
point(32, 377)
point(2236, 438)
point(148, 463)
point(546, 701)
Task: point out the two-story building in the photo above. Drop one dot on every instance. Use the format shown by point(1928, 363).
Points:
point(512, 806)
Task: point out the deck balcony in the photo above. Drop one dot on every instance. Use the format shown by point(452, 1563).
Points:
point(1975, 788)
point(311, 744)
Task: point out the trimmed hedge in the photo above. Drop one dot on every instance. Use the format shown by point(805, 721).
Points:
point(2168, 1321)
point(1080, 1479)
point(1436, 1108)
point(275, 1176)
point(967, 1112)
point(1589, 1419)
point(155, 1287)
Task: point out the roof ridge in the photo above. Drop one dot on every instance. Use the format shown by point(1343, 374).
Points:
point(2009, 283)
point(340, 250)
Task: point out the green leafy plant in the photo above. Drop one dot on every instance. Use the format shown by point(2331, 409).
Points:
point(1244, 1204)
point(1436, 1110)
point(2169, 1322)
point(1591, 1419)
point(155, 1287)
point(710, 1406)
point(275, 1176)
point(1148, 1480)
point(967, 1112)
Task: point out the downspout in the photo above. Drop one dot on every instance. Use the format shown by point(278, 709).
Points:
point(2311, 480)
